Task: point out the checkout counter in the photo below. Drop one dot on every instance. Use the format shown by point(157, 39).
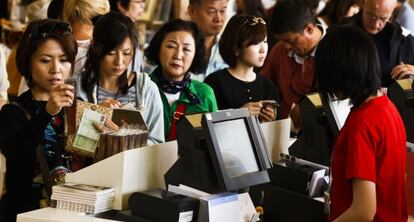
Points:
point(279, 204)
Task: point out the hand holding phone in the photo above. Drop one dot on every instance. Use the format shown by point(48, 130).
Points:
point(72, 81)
point(70, 112)
point(267, 114)
point(270, 103)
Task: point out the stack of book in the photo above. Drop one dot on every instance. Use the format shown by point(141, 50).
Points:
point(83, 198)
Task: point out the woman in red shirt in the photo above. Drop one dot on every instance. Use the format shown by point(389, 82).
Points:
point(368, 160)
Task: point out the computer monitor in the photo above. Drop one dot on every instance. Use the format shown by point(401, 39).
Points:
point(401, 94)
point(221, 151)
point(322, 118)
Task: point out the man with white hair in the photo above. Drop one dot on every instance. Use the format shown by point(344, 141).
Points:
point(395, 50)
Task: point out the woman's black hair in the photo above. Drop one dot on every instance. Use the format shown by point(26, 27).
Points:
point(253, 7)
point(335, 10)
point(241, 31)
point(110, 32)
point(36, 34)
point(123, 3)
point(153, 51)
point(346, 62)
point(55, 9)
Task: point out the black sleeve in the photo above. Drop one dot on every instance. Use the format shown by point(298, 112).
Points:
point(408, 50)
point(19, 135)
point(215, 83)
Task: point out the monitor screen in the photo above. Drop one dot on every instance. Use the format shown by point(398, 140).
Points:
point(221, 151)
point(322, 118)
point(238, 155)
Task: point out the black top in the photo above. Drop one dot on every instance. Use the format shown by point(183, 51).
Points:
point(232, 93)
point(19, 138)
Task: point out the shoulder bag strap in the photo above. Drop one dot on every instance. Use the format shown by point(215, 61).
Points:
point(179, 112)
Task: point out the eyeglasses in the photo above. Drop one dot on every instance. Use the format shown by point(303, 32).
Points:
point(44, 30)
point(252, 21)
point(374, 18)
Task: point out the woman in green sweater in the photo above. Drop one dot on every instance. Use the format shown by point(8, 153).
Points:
point(178, 50)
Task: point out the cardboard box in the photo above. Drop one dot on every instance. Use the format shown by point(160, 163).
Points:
point(132, 134)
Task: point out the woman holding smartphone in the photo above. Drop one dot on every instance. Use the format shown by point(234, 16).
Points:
point(243, 46)
point(32, 129)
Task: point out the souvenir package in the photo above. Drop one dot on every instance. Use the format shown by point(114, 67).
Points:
point(81, 134)
point(85, 140)
point(133, 133)
point(111, 143)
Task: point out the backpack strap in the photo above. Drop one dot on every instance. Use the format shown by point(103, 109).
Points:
point(44, 168)
point(179, 112)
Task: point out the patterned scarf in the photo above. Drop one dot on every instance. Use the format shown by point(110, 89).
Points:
point(173, 87)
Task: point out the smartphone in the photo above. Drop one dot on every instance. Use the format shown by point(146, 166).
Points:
point(73, 82)
point(270, 103)
point(70, 112)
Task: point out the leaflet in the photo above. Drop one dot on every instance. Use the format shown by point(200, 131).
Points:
point(87, 136)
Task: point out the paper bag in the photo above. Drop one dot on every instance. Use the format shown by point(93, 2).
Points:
point(277, 134)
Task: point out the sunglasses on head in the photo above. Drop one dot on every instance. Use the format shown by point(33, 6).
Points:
point(252, 21)
point(44, 30)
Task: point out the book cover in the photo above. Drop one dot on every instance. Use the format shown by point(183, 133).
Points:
point(83, 188)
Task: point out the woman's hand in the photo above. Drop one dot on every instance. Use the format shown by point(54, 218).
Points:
point(254, 108)
point(111, 103)
point(267, 114)
point(108, 126)
point(60, 96)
